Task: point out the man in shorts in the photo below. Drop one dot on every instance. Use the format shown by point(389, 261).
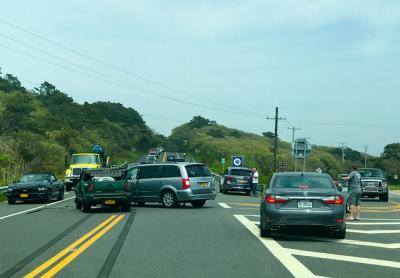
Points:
point(354, 189)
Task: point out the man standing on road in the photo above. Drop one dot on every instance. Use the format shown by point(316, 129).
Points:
point(254, 182)
point(354, 198)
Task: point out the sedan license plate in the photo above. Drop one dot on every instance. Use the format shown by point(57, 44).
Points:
point(370, 189)
point(23, 195)
point(204, 184)
point(304, 204)
point(110, 202)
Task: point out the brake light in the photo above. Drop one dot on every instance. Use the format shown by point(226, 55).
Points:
point(127, 185)
point(333, 200)
point(91, 186)
point(185, 183)
point(273, 199)
point(229, 179)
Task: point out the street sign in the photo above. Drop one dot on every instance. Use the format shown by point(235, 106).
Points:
point(301, 148)
point(237, 161)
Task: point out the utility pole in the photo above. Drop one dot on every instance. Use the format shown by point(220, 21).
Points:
point(293, 131)
point(365, 155)
point(343, 147)
point(276, 119)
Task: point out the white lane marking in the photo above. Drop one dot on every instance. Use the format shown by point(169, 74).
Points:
point(35, 208)
point(397, 194)
point(296, 268)
point(224, 205)
point(372, 223)
point(352, 259)
point(253, 215)
point(374, 231)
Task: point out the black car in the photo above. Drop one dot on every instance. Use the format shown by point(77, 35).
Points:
point(35, 187)
point(237, 179)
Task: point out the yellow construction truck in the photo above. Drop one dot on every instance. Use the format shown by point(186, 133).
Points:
point(79, 161)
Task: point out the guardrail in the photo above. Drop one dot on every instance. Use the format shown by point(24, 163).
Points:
point(3, 189)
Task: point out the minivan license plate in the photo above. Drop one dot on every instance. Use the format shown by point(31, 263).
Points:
point(204, 184)
point(304, 204)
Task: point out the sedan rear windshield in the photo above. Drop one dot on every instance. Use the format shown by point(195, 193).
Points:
point(241, 172)
point(301, 181)
point(194, 171)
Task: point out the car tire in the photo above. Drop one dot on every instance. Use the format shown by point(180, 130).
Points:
point(265, 232)
point(78, 204)
point(225, 191)
point(61, 195)
point(168, 199)
point(141, 204)
point(11, 201)
point(341, 234)
point(384, 197)
point(126, 207)
point(68, 187)
point(198, 203)
point(48, 197)
point(347, 207)
point(85, 206)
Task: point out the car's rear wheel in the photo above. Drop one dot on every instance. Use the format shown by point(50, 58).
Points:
point(265, 232)
point(198, 203)
point(68, 187)
point(168, 199)
point(225, 190)
point(126, 206)
point(85, 206)
point(341, 234)
point(347, 207)
point(11, 201)
point(384, 197)
point(78, 204)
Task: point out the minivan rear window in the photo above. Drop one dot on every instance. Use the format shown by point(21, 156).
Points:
point(303, 181)
point(241, 172)
point(197, 171)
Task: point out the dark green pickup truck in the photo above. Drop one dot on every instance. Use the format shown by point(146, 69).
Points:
point(103, 186)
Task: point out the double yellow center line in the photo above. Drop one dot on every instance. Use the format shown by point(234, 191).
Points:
point(98, 232)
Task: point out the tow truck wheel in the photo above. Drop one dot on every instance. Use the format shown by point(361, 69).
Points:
point(384, 197)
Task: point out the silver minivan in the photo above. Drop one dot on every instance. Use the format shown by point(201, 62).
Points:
point(171, 183)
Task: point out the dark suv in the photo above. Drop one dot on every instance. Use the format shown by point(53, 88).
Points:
point(373, 183)
point(237, 179)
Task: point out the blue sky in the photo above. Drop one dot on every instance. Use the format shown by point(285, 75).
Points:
point(330, 66)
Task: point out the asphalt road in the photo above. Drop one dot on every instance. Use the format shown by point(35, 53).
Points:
point(219, 240)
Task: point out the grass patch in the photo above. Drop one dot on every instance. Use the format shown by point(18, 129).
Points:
point(2, 197)
point(394, 186)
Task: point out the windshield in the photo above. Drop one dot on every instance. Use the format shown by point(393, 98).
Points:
point(241, 172)
point(371, 173)
point(34, 178)
point(303, 182)
point(85, 159)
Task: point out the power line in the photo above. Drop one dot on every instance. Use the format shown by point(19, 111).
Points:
point(111, 66)
point(130, 86)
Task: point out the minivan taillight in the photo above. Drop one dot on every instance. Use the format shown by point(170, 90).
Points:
point(185, 183)
point(127, 185)
point(229, 179)
point(91, 186)
point(333, 200)
point(274, 199)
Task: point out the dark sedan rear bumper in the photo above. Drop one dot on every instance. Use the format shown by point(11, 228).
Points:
point(238, 187)
point(272, 217)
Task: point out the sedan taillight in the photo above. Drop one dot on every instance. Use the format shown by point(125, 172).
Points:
point(274, 199)
point(333, 200)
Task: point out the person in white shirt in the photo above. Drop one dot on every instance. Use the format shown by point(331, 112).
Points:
point(254, 182)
